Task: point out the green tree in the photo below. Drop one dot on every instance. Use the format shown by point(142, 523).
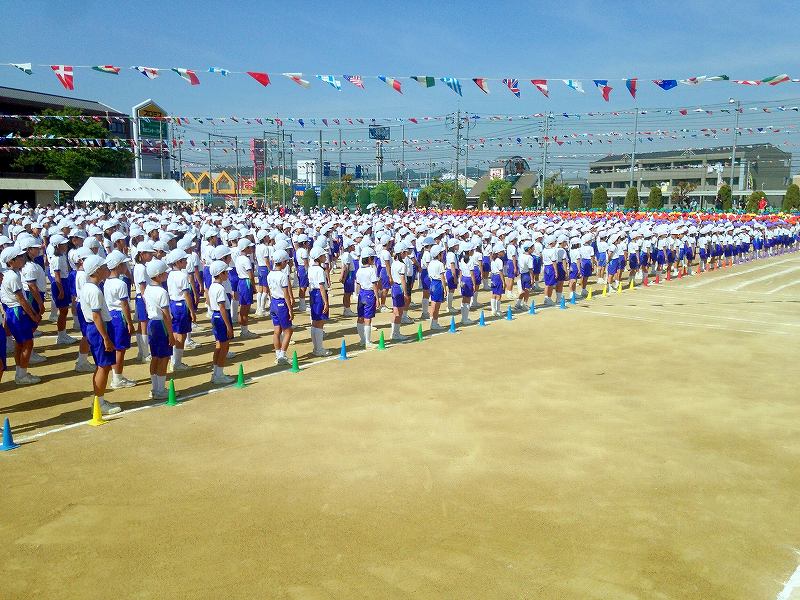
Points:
point(504, 196)
point(632, 199)
point(459, 199)
point(575, 201)
point(485, 200)
point(656, 199)
point(326, 198)
point(73, 164)
point(350, 200)
point(494, 187)
point(440, 193)
point(363, 199)
point(791, 201)
point(310, 199)
point(528, 198)
point(275, 192)
point(752, 201)
point(383, 192)
point(681, 193)
point(600, 198)
point(725, 197)
point(380, 198)
point(398, 199)
point(340, 191)
point(554, 193)
point(424, 198)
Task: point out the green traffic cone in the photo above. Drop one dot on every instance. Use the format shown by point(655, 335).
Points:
point(171, 397)
point(419, 333)
point(240, 379)
point(381, 342)
point(295, 367)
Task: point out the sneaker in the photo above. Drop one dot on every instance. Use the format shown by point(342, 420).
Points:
point(349, 313)
point(222, 379)
point(322, 352)
point(425, 316)
point(468, 322)
point(197, 327)
point(248, 335)
point(282, 361)
point(122, 383)
point(369, 346)
point(406, 320)
point(400, 338)
point(190, 344)
point(181, 366)
point(548, 302)
point(159, 395)
point(64, 339)
point(259, 313)
point(84, 366)
point(436, 327)
point(385, 309)
point(144, 359)
point(109, 408)
point(37, 334)
point(27, 379)
point(230, 354)
point(36, 358)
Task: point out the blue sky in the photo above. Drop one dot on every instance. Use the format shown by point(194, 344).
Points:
point(568, 39)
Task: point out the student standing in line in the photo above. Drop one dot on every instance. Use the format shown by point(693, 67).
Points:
point(586, 253)
point(438, 283)
point(262, 270)
point(144, 254)
point(280, 306)
point(301, 262)
point(159, 327)
point(34, 282)
point(424, 277)
point(383, 267)
point(82, 364)
point(400, 294)
point(451, 272)
point(348, 276)
point(318, 299)
point(180, 306)
point(573, 260)
point(60, 292)
point(120, 327)
point(221, 325)
point(549, 260)
point(20, 316)
point(496, 271)
point(367, 290)
point(525, 265)
point(469, 282)
point(246, 278)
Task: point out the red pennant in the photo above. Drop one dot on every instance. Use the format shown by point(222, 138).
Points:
point(261, 78)
point(65, 75)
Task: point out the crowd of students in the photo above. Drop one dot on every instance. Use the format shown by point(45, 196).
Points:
point(146, 275)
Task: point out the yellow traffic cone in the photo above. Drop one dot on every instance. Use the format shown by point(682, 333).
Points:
point(619, 287)
point(97, 415)
point(605, 290)
point(630, 285)
point(589, 295)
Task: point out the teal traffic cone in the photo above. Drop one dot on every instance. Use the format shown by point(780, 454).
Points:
point(452, 325)
point(532, 309)
point(509, 314)
point(8, 440)
point(482, 320)
point(343, 351)
point(563, 304)
point(240, 379)
point(574, 298)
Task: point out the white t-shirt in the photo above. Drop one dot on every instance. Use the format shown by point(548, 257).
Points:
point(347, 261)
point(496, 266)
point(32, 272)
point(426, 259)
point(116, 292)
point(12, 283)
point(80, 281)
point(366, 276)
point(525, 262)
point(262, 255)
point(549, 256)
point(465, 266)
point(93, 300)
point(217, 298)
point(435, 269)
point(155, 299)
point(302, 256)
point(177, 283)
point(277, 281)
point(140, 275)
point(398, 271)
point(60, 264)
point(316, 277)
point(586, 252)
point(244, 266)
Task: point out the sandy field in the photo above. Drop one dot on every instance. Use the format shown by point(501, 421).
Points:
point(641, 445)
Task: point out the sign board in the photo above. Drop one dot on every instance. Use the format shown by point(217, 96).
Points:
point(378, 133)
point(149, 127)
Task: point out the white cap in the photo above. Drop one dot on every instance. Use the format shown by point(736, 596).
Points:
point(175, 256)
point(217, 267)
point(221, 252)
point(316, 252)
point(368, 252)
point(155, 268)
point(57, 240)
point(115, 259)
point(91, 264)
point(244, 243)
point(10, 253)
point(280, 256)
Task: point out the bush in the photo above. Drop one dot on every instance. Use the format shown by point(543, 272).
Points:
point(656, 199)
point(381, 198)
point(600, 198)
point(326, 199)
point(398, 199)
point(459, 199)
point(528, 199)
point(485, 200)
point(575, 201)
point(363, 199)
point(725, 196)
point(632, 199)
point(791, 201)
point(424, 199)
point(310, 199)
point(752, 201)
point(504, 197)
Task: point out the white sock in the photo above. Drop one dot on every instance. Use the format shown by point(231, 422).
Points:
point(314, 342)
point(395, 329)
point(360, 329)
point(162, 382)
point(235, 310)
point(449, 300)
point(425, 302)
point(244, 329)
point(154, 382)
point(62, 332)
point(215, 371)
point(83, 357)
point(189, 338)
point(434, 322)
point(177, 355)
point(464, 312)
point(302, 304)
point(116, 377)
point(146, 347)
point(367, 334)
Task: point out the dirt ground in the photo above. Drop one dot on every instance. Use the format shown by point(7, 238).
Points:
point(642, 445)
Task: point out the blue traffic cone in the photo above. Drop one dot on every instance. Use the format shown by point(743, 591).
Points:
point(574, 298)
point(563, 304)
point(343, 351)
point(532, 309)
point(452, 325)
point(481, 320)
point(8, 440)
point(509, 314)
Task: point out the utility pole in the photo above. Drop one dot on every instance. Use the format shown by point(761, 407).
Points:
point(320, 171)
point(403, 161)
point(733, 148)
point(544, 161)
point(466, 155)
point(264, 164)
point(340, 155)
point(210, 176)
point(161, 147)
point(458, 146)
point(633, 154)
point(283, 167)
point(236, 146)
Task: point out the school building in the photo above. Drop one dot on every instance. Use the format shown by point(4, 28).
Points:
point(762, 167)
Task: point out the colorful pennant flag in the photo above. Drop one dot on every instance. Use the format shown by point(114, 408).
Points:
point(26, 68)
point(331, 80)
point(718, 78)
point(393, 83)
point(631, 85)
point(424, 80)
point(605, 89)
point(541, 85)
point(482, 84)
point(223, 72)
point(261, 78)
point(298, 79)
point(65, 75)
point(149, 72)
point(110, 69)
point(355, 80)
point(666, 84)
point(512, 85)
point(747, 81)
point(574, 84)
point(453, 83)
point(188, 75)
point(776, 79)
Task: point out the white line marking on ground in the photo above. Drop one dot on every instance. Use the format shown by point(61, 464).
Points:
point(686, 323)
point(782, 287)
point(713, 316)
point(792, 584)
point(712, 279)
point(738, 286)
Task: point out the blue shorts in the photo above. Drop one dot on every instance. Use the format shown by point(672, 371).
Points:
point(384, 279)
point(644, 259)
point(549, 275)
point(452, 283)
point(633, 261)
point(181, 318)
point(3, 364)
point(425, 280)
point(207, 281)
point(66, 300)
point(509, 268)
point(537, 265)
point(141, 309)
point(366, 304)
point(234, 279)
point(350, 282)
point(467, 287)
point(317, 304)
point(670, 256)
point(279, 313)
point(661, 258)
point(261, 274)
point(437, 290)
point(118, 331)
point(613, 266)
point(158, 338)
point(586, 267)
point(245, 291)
point(101, 356)
point(398, 298)
point(561, 275)
point(573, 270)
point(302, 277)
point(497, 284)
point(526, 281)
point(601, 259)
point(486, 264)
point(70, 284)
point(81, 319)
point(218, 326)
point(19, 324)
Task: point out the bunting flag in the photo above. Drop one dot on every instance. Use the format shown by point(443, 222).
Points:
point(718, 78)
point(574, 84)
point(482, 84)
point(261, 78)
point(110, 69)
point(776, 79)
point(666, 84)
point(631, 85)
point(223, 72)
point(298, 79)
point(747, 81)
point(512, 85)
point(331, 80)
point(325, 122)
point(394, 83)
point(541, 85)
point(301, 122)
point(149, 72)
point(693, 80)
point(605, 89)
point(355, 80)
point(424, 81)
point(453, 83)
point(65, 76)
point(188, 75)
point(26, 68)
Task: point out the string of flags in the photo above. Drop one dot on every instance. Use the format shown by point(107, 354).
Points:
point(66, 76)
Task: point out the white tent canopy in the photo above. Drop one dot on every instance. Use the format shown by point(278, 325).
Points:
point(115, 189)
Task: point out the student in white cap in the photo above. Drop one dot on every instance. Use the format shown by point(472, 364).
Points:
point(221, 325)
point(367, 292)
point(144, 254)
point(497, 276)
point(245, 287)
point(549, 261)
point(20, 315)
point(98, 318)
point(120, 328)
point(349, 263)
point(401, 296)
point(60, 293)
point(82, 364)
point(159, 327)
point(262, 253)
point(301, 262)
point(181, 307)
point(280, 308)
point(34, 281)
point(525, 266)
point(318, 299)
point(424, 278)
point(438, 284)
point(469, 283)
